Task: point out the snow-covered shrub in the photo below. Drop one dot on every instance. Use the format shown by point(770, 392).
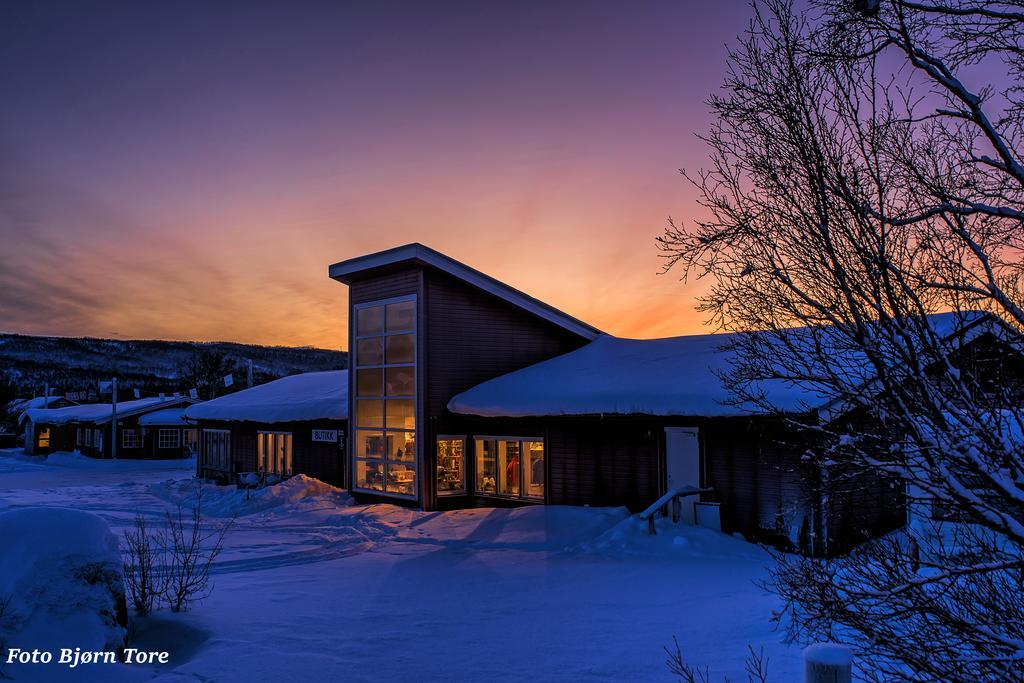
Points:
point(60, 571)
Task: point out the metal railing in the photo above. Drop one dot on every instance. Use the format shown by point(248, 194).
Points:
point(672, 497)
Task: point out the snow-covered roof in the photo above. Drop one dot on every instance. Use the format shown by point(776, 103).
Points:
point(425, 255)
point(310, 396)
point(167, 417)
point(672, 376)
point(21, 406)
point(101, 412)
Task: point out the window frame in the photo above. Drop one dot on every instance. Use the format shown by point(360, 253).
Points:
point(465, 470)
point(45, 435)
point(167, 430)
point(261, 454)
point(136, 435)
point(521, 496)
point(357, 431)
point(224, 436)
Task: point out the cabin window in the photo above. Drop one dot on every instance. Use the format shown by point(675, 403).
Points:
point(97, 438)
point(510, 467)
point(385, 397)
point(217, 449)
point(78, 436)
point(88, 437)
point(130, 438)
point(44, 437)
point(192, 440)
point(168, 438)
point(275, 452)
point(451, 465)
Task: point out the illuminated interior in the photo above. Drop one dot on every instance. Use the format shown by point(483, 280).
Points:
point(512, 468)
point(274, 452)
point(451, 465)
point(385, 406)
point(44, 437)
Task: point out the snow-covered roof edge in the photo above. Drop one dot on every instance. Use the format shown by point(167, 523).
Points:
point(417, 252)
point(103, 411)
point(302, 397)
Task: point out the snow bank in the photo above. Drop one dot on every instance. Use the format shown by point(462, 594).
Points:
point(61, 569)
point(630, 538)
point(310, 396)
point(230, 501)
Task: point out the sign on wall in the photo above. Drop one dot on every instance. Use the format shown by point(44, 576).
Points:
point(325, 435)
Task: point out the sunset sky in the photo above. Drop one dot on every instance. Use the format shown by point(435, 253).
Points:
point(188, 170)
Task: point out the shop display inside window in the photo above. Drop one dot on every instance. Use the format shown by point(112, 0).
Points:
point(275, 452)
point(510, 467)
point(451, 465)
point(385, 407)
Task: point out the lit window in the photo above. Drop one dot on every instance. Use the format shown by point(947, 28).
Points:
point(192, 440)
point(130, 438)
point(451, 465)
point(385, 403)
point(512, 468)
point(44, 437)
point(168, 438)
point(275, 452)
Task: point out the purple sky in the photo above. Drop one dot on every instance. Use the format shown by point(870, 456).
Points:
point(188, 170)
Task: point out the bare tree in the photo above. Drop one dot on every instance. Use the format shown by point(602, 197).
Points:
point(191, 552)
point(755, 666)
point(865, 173)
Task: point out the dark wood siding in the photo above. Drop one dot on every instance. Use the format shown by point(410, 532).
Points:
point(323, 461)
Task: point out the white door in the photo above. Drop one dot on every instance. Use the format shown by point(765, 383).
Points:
point(682, 465)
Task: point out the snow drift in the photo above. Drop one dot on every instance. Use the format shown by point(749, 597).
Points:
point(60, 570)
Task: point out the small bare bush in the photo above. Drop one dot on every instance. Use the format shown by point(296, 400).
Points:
point(145, 565)
point(756, 666)
point(191, 552)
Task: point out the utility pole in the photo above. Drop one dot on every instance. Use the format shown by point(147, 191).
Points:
point(113, 421)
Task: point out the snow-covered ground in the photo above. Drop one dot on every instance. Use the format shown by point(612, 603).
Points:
point(313, 588)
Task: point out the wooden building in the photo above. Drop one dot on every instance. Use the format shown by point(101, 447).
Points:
point(294, 425)
point(468, 392)
point(167, 434)
point(87, 427)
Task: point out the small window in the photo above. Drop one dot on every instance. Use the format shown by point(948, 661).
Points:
point(88, 437)
point(130, 438)
point(275, 452)
point(78, 436)
point(169, 438)
point(44, 437)
point(369, 320)
point(451, 465)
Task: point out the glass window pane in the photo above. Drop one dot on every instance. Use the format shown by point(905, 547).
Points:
point(401, 316)
point(370, 382)
point(370, 475)
point(402, 446)
point(486, 466)
point(400, 348)
point(400, 414)
point(369, 413)
point(369, 444)
point(508, 468)
point(533, 469)
point(369, 352)
point(401, 479)
point(401, 381)
point(451, 476)
point(369, 320)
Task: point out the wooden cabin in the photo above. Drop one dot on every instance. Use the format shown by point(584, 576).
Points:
point(294, 425)
point(166, 434)
point(87, 428)
point(467, 392)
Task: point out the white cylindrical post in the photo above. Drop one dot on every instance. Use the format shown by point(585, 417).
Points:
point(828, 663)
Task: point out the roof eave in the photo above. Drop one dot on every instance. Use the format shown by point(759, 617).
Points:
point(348, 271)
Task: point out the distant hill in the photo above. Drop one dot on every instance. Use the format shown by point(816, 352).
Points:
point(78, 364)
